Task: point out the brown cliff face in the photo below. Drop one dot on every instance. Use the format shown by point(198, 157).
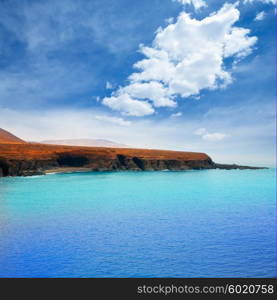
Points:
point(20, 159)
point(26, 159)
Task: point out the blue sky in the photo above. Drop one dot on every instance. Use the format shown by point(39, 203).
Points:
point(186, 74)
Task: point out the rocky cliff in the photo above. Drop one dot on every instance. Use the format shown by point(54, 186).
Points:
point(19, 158)
point(31, 159)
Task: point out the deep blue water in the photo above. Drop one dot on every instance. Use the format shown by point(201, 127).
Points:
point(212, 223)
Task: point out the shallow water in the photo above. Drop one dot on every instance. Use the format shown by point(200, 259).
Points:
point(212, 223)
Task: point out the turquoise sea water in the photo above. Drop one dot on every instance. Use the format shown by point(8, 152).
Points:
point(212, 223)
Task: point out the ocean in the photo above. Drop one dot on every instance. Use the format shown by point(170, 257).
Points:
point(208, 223)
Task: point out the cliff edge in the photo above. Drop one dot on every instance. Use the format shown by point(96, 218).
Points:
point(19, 158)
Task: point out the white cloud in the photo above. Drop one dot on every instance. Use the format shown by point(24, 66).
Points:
point(53, 39)
point(196, 3)
point(263, 1)
point(169, 20)
point(186, 57)
point(109, 86)
point(211, 137)
point(239, 43)
point(260, 16)
point(177, 115)
point(153, 90)
point(129, 106)
point(113, 120)
point(200, 131)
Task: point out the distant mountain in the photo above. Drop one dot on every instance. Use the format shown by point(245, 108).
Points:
point(86, 142)
point(8, 138)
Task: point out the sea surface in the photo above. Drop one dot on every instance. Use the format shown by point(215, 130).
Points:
point(211, 223)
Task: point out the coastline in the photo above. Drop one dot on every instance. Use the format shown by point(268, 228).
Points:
point(38, 159)
point(66, 170)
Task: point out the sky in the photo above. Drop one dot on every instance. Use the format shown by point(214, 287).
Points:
point(188, 75)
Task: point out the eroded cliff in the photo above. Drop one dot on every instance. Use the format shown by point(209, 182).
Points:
point(31, 159)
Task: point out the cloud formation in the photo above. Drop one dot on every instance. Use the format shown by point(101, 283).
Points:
point(176, 115)
point(260, 16)
point(186, 57)
point(113, 120)
point(109, 85)
point(59, 51)
point(196, 3)
point(129, 106)
point(211, 137)
point(263, 1)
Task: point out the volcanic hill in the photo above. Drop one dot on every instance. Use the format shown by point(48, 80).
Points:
point(8, 138)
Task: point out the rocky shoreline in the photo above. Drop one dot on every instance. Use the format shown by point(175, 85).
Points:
point(36, 159)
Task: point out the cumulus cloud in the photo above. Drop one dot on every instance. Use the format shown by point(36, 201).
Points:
point(260, 16)
point(153, 90)
point(129, 106)
point(185, 57)
point(196, 3)
point(238, 43)
point(211, 137)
